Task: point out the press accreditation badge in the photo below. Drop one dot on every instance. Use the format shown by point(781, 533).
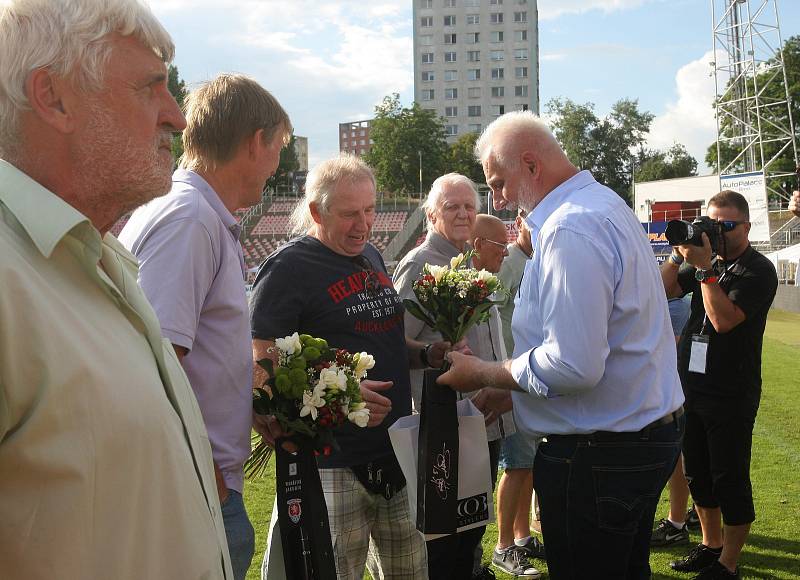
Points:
point(698, 354)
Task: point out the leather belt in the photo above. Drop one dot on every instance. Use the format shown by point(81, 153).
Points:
point(644, 433)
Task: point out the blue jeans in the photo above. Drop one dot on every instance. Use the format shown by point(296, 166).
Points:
point(239, 533)
point(598, 496)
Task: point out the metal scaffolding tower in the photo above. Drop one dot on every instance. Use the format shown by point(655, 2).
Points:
point(754, 118)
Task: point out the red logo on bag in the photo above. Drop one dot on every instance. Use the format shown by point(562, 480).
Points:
point(294, 509)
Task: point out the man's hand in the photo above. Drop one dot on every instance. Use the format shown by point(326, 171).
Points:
point(378, 405)
point(492, 403)
point(697, 256)
point(794, 203)
point(463, 374)
point(439, 350)
point(270, 430)
point(222, 489)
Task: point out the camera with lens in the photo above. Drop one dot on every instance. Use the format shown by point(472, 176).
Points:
point(680, 232)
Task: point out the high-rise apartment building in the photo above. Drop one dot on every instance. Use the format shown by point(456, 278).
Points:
point(475, 60)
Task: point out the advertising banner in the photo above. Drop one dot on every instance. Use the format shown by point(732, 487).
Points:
point(753, 187)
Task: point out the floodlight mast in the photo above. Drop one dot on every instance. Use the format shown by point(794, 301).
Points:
point(755, 128)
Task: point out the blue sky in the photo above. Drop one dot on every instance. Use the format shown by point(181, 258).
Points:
point(332, 61)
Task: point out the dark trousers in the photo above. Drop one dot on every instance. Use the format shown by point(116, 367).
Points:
point(453, 557)
point(598, 496)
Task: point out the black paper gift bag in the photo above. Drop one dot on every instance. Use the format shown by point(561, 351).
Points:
point(437, 469)
point(303, 515)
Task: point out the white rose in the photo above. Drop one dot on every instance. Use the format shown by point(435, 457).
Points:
point(289, 344)
point(333, 378)
point(454, 262)
point(484, 275)
point(363, 364)
point(437, 272)
point(359, 415)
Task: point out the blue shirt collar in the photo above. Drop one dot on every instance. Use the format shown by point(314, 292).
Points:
point(557, 196)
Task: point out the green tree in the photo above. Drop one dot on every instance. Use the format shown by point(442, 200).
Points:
point(177, 87)
point(461, 158)
point(773, 117)
point(287, 165)
point(603, 146)
point(669, 164)
point(401, 137)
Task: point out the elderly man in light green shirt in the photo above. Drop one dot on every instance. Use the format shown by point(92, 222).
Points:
point(105, 465)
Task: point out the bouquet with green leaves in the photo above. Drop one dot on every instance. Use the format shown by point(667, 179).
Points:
point(313, 389)
point(452, 299)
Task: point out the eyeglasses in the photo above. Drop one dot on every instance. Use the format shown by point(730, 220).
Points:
point(493, 242)
point(372, 283)
point(730, 225)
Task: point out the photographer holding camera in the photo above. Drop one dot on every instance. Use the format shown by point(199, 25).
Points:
point(719, 360)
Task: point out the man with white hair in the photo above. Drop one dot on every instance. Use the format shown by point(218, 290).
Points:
point(331, 283)
point(192, 270)
point(594, 368)
point(451, 210)
point(105, 463)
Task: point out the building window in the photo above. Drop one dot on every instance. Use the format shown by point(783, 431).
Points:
point(451, 94)
point(427, 94)
point(521, 2)
point(473, 37)
point(451, 75)
point(473, 56)
point(496, 55)
point(449, 57)
point(496, 18)
point(427, 76)
point(521, 72)
point(474, 92)
point(498, 110)
point(498, 92)
point(426, 3)
point(520, 35)
point(497, 36)
point(473, 18)
point(521, 107)
point(473, 74)
point(498, 73)
point(426, 22)
point(451, 130)
point(496, 2)
point(472, 3)
point(426, 40)
point(520, 16)
point(344, 143)
point(449, 3)
point(451, 111)
point(362, 142)
point(521, 91)
point(475, 128)
point(521, 54)
point(427, 57)
point(474, 111)
point(449, 38)
point(450, 20)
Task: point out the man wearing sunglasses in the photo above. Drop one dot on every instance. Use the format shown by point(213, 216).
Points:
point(719, 359)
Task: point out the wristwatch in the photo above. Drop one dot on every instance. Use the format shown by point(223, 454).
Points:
point(706, 276)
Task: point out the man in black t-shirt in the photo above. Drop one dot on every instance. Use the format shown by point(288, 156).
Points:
point(719, 359)
point(331, 283)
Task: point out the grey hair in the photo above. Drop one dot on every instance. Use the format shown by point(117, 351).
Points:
point(431, 203)
point(321, 183)
point(505, 135)
point(69, 37)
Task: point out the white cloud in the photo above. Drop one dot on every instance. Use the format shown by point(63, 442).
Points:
point(689, 119)
point(550, 9)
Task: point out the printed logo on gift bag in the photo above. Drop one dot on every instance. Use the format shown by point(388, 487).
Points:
point(295, 511)
point(441, 472)
point(292, 469)
point(473, 509)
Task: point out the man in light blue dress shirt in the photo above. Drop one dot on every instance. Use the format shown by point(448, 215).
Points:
point(594, 364)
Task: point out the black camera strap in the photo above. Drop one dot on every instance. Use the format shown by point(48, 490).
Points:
point(724, 277)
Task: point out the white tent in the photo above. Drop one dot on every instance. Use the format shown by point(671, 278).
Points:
point(787, 263)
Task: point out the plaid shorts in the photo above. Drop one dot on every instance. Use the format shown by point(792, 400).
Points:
point(367, 529)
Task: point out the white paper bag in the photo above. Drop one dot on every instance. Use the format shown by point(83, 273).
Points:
point(475, 501)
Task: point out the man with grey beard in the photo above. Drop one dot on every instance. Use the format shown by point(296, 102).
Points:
point(105, 462)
